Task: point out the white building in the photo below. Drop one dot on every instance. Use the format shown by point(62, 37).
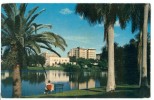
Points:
point(54, 60)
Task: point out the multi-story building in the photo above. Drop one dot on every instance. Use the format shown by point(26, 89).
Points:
point(91, 53)
point(73, 52)
point(82, 53)
point(53, 59)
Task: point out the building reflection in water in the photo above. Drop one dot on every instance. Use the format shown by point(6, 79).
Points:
point(5, 75)
point(57, 76)
point(84, 85)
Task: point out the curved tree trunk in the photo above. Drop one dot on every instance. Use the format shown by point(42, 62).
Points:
point(144, 82)
point(111, 73)
point(16, 82)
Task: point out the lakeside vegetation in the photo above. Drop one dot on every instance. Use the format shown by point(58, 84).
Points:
point(46, 68)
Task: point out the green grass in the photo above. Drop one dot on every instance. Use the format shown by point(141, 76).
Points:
point(46, 68)
point(125, 91)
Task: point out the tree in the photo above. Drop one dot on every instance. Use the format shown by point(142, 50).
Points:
point(41, 60)
point(144, 82)
point(130, 63)
point(140, 17)
point(20, 39)
point(34, 60)
point(107, 13)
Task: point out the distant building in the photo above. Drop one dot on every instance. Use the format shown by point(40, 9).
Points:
point(54, 60)
point(91, 53)
point(82, 53)
point(73, 52)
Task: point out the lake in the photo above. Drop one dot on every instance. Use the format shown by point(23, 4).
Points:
point(33, 82)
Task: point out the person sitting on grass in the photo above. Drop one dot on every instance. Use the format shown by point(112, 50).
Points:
point(49, 87)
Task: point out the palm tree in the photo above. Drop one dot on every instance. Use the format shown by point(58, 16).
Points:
point(144, 82)
point(107, 13)
point(20, 39)
point(138, 16)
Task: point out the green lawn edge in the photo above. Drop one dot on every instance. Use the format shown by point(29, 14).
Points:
point(122, 91)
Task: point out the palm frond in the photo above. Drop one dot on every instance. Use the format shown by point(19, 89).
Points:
point(31, 12)
point(10, 25)
point(50, 49)
point(89, 12)
point(41, 27)
point(8, 10)
point(6, 51)
point(18, 24)
point(22, 9)
point(33, 17)
point(61, 40)
point(124, 14)
point(34, 46)
point(3, 18)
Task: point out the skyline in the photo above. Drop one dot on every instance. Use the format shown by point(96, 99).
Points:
point(76, 31)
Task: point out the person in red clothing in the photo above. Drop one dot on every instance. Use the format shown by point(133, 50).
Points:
point(49, 87)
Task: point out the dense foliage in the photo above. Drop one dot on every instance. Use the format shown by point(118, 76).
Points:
point(126, 68)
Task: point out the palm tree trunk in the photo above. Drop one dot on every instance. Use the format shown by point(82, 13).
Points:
point(16, 82)
point(111, 73)
point(144, 82)
point(140, 56)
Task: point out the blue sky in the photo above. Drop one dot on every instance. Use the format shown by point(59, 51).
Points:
point(75, 30)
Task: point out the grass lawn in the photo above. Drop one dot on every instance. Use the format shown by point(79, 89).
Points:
point(125, 91)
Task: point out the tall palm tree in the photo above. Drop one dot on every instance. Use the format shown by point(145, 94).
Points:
point(107, 13)
point(20, 37)
point(144, 82)
point(138, 18)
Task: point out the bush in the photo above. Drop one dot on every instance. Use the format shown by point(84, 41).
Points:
point(70, 68)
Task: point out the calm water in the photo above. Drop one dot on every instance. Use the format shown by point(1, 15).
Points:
point(33, 82)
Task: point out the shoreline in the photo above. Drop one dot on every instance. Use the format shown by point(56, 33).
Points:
point(122, 91)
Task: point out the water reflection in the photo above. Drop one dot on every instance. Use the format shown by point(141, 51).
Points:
point(56, 76)
point(35, 80)
point(34, 77)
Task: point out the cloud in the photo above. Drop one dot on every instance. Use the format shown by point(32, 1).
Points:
point(117, 24)
point(65, 11)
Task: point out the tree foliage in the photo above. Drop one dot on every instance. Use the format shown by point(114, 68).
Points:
point(21, 36)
